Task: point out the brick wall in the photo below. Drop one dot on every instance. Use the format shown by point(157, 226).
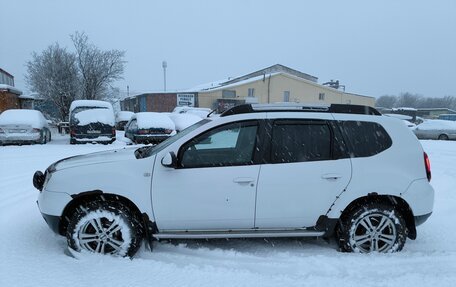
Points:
point(161, 102)
point(8, 101)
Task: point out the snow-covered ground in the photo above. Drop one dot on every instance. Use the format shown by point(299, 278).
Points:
point(31, 255)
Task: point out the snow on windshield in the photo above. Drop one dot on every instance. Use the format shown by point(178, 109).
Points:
point(32, 118)
point(90, 116)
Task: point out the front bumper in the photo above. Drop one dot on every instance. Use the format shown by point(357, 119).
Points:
point(53, 222)
point(421, 218)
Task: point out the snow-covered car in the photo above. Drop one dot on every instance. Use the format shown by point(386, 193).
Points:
point(436, 130)
point(92, 121)
point(149, 127)
point(256, 171)
point(184, 120)
point(200, 112)
point(23, 126)
point(122, 119)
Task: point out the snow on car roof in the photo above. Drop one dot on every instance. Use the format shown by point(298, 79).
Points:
point(399, 116)
point(200, 112)
point(183, 121)
point(32, 118)
point(124, 116)
point(146, 120)
point(103, 116)
point(90, 103)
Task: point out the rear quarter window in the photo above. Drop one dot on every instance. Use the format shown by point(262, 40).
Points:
point(365, 138)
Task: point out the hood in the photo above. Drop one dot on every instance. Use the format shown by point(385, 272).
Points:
point(94, 158)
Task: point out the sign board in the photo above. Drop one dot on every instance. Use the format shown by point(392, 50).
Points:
point(185, 100)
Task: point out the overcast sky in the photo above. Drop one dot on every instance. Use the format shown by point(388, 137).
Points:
point(372, 47)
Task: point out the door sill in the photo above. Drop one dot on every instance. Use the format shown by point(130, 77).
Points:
point(252, 233)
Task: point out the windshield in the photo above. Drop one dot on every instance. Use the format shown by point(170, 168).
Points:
point(147, 151)
point(80, 109)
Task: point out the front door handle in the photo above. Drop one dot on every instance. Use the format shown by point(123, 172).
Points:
point(243, 180)
point(331, 176)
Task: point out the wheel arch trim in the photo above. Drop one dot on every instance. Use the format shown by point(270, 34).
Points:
point(85, 196)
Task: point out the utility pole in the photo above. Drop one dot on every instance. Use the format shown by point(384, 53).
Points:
point(164, 65)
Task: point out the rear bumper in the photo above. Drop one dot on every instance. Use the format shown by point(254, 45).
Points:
point(420, 197)
point(88, 138)
point(20, 138)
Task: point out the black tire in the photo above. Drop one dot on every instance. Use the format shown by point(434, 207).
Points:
point(373, 227)
point(43, 139)
point(443, 137)
point(72, 141)
point(108, 228)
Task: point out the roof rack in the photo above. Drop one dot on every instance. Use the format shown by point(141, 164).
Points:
point(296, 107)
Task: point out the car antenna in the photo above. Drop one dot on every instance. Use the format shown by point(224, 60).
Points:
point(209, 114)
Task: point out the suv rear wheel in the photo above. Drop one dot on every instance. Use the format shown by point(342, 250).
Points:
point(105, 227)
point(372, 227)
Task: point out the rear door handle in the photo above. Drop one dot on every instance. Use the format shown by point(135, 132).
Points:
point(331, 176)
point(243, 180)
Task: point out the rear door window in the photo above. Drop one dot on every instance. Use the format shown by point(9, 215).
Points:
point(365, 138)
point(300, 141)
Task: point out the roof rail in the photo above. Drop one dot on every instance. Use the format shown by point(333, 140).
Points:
point(296, 107)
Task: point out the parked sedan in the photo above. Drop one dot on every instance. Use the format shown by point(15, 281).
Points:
point(23, 126)
point(436, 130)
point(149, 127)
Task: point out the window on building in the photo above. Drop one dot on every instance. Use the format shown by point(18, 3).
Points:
point(228, 94)
point(286, 96)
point(251, 92)
point(321, 96)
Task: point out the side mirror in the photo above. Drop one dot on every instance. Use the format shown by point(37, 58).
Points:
point(169, 160)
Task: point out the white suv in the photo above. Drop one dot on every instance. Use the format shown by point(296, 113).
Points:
point(255, 171)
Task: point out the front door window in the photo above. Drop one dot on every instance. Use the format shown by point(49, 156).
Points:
point(229, 145)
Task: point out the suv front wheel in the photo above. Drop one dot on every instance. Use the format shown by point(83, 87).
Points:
point(104, 227)
point(372, 227)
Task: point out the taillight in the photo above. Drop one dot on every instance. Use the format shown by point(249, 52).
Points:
point(36, 130)
point(168, 131)
point(113, 132)
point(143, 132)
point(72, 133)
point(427, 164)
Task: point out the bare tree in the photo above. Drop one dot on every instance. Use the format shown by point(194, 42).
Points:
point(54, 75)
point(408, 100)
point(386, 101)
point(416, 101)
point(97, 68)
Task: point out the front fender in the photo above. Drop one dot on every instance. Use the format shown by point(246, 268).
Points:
point(130, 179)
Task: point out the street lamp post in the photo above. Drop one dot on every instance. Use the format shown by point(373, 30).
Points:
point(164, 65)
